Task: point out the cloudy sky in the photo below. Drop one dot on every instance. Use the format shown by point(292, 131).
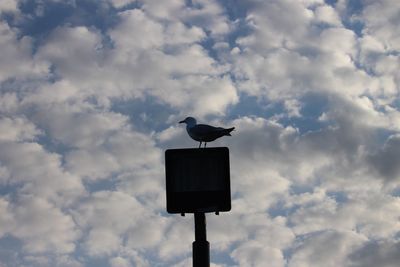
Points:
point(91, 92)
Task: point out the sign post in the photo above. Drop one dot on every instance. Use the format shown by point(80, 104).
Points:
point(198, 181)
point(201, 247)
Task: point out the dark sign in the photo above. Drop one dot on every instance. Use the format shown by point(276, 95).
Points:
point(198, 180)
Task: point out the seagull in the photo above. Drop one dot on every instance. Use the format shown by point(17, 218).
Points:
point(204, 133)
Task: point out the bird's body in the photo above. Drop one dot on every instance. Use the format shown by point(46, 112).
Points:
point(204, 133)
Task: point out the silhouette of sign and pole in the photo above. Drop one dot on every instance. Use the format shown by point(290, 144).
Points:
point(198, 181)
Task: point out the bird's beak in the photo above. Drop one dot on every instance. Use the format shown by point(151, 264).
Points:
point(182, 121)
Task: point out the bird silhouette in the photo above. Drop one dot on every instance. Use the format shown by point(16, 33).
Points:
point(203, 132)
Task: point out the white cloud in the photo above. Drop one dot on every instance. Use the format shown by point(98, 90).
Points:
point(118, 151)
point(147, 233)
point(329, 248)
point(17, 129)
point(370, 215)
point(327, 14)
point(79, 128)
point(145, 33)
point(40, 173)
point(52, 93)
point(91, 164)
point(271, 29)
point(170, 10)
point(16, 59)
point(207, 14)
point(178, 241)
point(238, 227)
point(386, 159)
point(6, 217)
point(121, 3)
point(45, 261)
point(104, 216)
point(43, 227)
point(149, 57)
point(381, 253)
point(383, 24)
point(119, 262)
point(252, 253)
point(8, 5)
point(76, 55)
point(177, 33)
point(293, 107)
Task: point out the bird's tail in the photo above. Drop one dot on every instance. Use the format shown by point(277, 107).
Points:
point(228, 131)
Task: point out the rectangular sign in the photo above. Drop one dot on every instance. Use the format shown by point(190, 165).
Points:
point(198, 180)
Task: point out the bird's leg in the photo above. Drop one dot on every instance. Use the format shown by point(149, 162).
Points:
point(200, 144)
point(205, 144)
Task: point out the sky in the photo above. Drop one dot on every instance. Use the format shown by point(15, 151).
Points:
point(91, 93)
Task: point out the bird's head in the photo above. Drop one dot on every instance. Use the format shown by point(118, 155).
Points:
point(190, 121)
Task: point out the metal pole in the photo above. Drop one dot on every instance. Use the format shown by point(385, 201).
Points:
point(201, 247)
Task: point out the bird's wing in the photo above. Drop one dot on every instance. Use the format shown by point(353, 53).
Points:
point(203, 129)
point(207, 133)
